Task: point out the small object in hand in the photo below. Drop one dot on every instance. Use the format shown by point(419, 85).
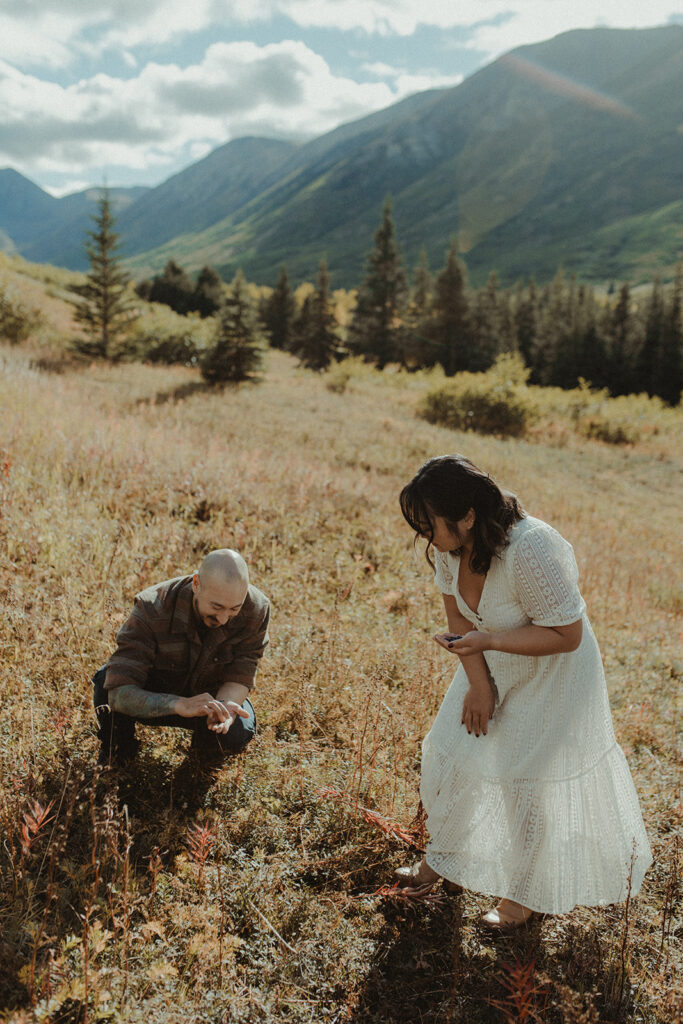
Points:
point(452, 636)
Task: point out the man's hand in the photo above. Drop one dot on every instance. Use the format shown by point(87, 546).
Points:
point(219, 714)
point(231, 710)
point(477, 708)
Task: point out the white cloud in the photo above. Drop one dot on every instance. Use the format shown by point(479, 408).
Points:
point(406, 83)
point(533, 21)
point(34, 36)
point(69, 186)
point(527, 18)
point(282, 89)
point(145, 121)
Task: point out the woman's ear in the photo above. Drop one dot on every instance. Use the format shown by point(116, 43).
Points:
point(470, 518)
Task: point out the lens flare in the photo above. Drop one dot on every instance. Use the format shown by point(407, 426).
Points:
point(568, 87)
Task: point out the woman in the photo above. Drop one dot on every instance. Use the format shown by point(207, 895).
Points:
point(527, 793)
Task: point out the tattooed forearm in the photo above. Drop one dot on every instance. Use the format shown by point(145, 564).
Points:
point(138, 703)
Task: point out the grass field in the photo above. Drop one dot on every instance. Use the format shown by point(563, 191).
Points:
point(160, 896)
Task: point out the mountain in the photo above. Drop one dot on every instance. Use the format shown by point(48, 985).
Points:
point(50, 230)
point(208, 191)
point(24, 209)
point(567, 152)
point(528, 162)
point(63, 235)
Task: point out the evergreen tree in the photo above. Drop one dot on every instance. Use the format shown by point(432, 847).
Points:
point(484, 326)
point(552, 330)
point(526, 320)
point(622, 330)
point(450, 315)
point(316, 340)
point(649, 356)
point(377, 321)
point(507, 330)
point(208, 292)
point(236, 353)
point(590, 344)
point(173, 288)
point(303, 324)
point(666, 372)
point(418, 347)
point(279, 313)
point(102, 306)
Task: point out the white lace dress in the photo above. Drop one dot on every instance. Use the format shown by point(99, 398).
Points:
point(542, 810)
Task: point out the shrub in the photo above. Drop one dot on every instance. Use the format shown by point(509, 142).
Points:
point(337, 380)
point(613, 420)
point(495, 402)
point(17, 319)
point(162, 336)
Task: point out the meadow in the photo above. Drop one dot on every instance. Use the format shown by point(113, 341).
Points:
point(256, 894)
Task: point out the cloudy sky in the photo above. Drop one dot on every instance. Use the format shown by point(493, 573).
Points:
point(132, 91)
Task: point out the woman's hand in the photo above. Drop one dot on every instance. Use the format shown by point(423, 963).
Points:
point(477, 708)
point(474, 642)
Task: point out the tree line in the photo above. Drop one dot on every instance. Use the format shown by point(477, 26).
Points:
point(564, 331)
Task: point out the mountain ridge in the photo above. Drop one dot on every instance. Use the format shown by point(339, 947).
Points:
point(529, 162)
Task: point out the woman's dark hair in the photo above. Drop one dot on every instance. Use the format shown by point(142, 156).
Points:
point(449, 486)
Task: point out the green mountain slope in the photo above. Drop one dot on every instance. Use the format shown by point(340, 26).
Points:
point(524, 162)
point(567, 152)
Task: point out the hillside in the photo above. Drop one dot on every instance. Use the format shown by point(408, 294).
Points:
point(49, 230)
point(161, 896)
point(565, 152)
point(500, 160)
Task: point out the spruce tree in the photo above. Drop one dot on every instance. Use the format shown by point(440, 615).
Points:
point(485, 325)
point(622, 330)
point(526, 320)
point(666, 372)
point(649, 356)
point(590, 342)
point(376, 326)
point(102, 307)
point(507, 331)
point(450, 315)
point(552, 330)
point(418, 347)
point(173, 288)
point(316, 342)
point(279, 313)
point(236, 353)
point(207, 296)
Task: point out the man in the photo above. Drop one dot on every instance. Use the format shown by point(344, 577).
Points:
point(186, 657)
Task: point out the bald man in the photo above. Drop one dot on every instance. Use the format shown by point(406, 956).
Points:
point(186, 657)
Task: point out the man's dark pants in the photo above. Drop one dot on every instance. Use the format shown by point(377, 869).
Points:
point(117, 731)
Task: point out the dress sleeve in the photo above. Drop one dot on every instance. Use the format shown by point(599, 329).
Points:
point(443, 577)
point(546, 578)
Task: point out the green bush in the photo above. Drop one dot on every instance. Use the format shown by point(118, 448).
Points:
point(161, 336)
point(495, 402)
point(17, 319)
point(622, 420)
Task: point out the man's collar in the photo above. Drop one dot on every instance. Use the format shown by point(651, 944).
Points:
point(182, 613)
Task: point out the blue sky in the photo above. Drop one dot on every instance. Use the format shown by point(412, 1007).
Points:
point(135, 90)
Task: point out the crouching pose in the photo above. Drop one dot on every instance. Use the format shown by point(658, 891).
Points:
point(186, 657)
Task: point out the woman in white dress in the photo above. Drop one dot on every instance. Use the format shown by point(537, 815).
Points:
point(527, 793)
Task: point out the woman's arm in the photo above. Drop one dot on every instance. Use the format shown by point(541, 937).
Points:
point(533, 641)
point(480, 700)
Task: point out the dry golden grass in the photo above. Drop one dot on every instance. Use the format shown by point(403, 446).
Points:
point(159, 897)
